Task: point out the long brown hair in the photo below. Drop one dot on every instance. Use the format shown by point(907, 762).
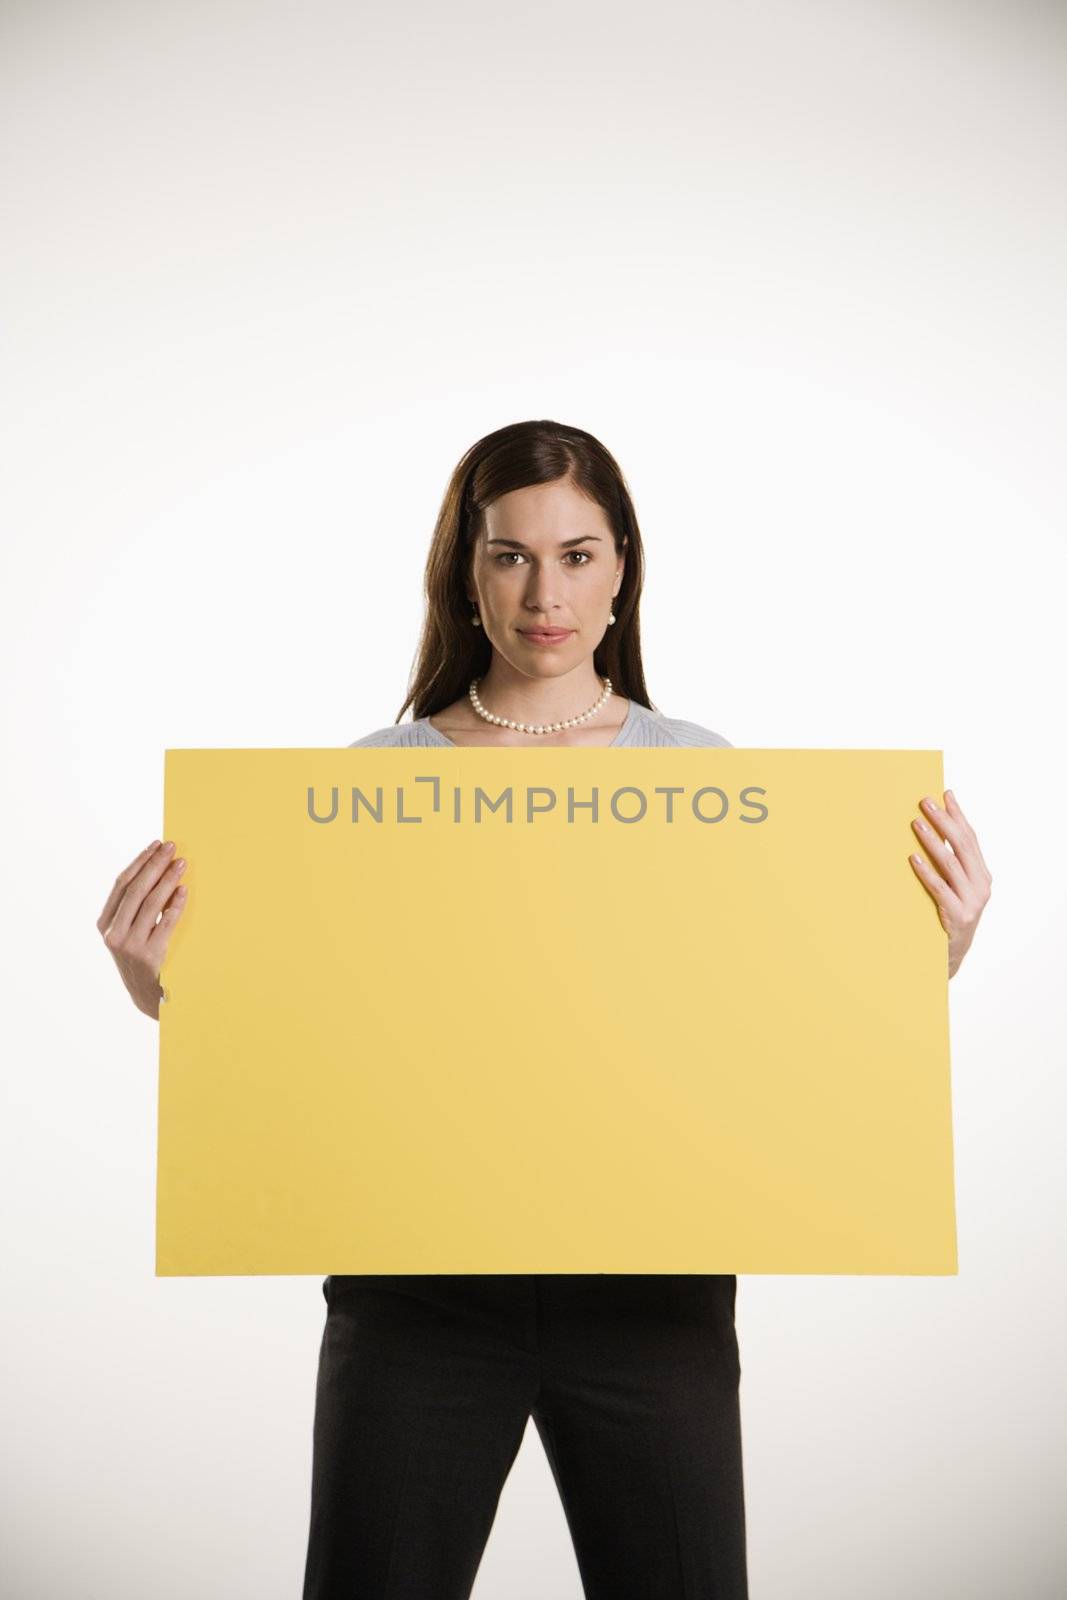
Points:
point(451, 650)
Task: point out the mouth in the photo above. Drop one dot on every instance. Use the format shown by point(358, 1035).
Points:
point(546, 635)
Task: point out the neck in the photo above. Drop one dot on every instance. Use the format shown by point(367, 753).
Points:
point(522, 699)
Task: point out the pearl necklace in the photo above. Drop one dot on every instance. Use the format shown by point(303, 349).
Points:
point(541, 727)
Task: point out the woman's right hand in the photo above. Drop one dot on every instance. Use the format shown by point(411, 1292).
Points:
point(148, 886)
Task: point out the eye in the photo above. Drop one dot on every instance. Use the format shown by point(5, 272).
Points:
point(586, 557)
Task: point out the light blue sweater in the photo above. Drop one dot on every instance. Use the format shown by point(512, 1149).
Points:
point(641, 727)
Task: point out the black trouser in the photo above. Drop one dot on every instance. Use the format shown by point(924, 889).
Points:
point(425, 1385)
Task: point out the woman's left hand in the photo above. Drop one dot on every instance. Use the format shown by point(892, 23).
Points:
point(959, 880)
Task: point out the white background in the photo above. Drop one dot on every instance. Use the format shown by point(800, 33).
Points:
point(267, 272)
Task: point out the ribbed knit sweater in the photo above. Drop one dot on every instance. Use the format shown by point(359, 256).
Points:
point(641, 727)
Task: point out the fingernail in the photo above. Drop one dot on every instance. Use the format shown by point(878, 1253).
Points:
point(168, 847)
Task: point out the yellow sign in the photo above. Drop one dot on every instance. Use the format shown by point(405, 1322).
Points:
point(470, 1010)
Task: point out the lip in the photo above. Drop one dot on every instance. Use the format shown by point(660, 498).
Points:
point(546, 635)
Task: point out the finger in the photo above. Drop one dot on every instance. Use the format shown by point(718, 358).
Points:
point(159, 938)
point(141, 884)
point(125, 877)
point(945, 863)
point(954, 809)
point(959, 836)
point(932, 881)
point(155, 900)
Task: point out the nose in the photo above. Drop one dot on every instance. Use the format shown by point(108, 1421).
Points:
point(541, 595)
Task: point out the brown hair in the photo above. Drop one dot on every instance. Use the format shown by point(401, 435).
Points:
point(451, 650)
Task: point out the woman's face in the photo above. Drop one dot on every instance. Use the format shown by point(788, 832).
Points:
point(546, 559)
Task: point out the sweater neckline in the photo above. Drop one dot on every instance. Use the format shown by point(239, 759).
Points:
point(437, 737)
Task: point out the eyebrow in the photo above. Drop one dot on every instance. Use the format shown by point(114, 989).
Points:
point(564, 544)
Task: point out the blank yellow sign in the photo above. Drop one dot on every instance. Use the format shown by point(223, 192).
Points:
point(478, 1010)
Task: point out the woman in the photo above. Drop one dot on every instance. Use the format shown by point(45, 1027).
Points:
point(426, 1382)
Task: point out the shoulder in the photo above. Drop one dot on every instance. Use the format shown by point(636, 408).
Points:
point(685, 732)
point(665, 730)
point(397, 733)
